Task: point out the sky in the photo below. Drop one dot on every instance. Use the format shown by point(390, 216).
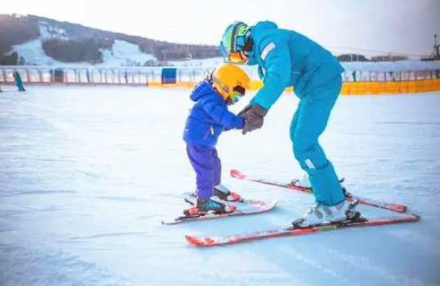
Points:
point(364, 26)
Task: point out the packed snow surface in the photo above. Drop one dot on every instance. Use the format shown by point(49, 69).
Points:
point(88, 173)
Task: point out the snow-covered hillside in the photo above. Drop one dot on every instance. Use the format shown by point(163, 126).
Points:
point(87, 174)
point(122, 53)
point(33, 54)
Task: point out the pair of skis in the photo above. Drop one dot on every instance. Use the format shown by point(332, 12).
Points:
point(294, 230)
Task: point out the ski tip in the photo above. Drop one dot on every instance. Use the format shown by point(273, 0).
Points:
point(416, 217)
point(173, 220)
point(192, 240)
point(272, 204)
point(400, 208)
point(237, 174)
point(396, 207)
point(196, 241)
point(169, 222)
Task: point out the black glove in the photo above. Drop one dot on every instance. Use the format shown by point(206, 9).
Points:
point(253, 117)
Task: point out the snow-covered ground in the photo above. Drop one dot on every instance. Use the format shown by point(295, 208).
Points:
point(88, 173)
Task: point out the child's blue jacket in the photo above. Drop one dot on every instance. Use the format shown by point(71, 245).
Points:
point(209, 117)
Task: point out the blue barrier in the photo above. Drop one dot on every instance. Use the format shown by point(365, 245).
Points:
point(169, 76)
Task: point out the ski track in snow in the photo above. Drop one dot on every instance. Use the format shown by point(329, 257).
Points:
point(88, 173)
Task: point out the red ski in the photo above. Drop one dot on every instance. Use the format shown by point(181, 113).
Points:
point(350, 197)
point(249, 207)
point(293, 231)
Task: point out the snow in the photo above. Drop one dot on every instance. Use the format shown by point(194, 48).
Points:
point(124, 54)
point(33, 53)
point(88, 173)
point(48, 31)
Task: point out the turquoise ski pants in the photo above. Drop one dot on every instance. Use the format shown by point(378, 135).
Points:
point(308, 123)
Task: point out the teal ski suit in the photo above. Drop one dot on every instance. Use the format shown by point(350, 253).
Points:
point(288, 59)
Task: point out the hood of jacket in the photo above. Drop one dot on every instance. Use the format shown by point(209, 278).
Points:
point(202, 89)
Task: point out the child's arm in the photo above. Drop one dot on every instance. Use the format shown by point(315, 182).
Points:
point(221, 114)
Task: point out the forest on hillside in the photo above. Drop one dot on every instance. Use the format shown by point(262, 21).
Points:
point(83, 44)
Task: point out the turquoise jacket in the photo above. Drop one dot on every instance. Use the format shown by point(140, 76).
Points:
point(287, 58)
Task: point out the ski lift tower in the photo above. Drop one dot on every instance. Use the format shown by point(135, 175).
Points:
point(435, 56)
point(436, 52)
point(188, 56)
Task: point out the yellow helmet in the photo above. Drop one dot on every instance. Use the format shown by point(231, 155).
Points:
point(230, 81)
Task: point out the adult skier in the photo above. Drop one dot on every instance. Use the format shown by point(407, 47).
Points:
point(286, 58)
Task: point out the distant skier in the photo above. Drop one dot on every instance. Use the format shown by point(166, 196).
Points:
point(18, 81)
point(208, 118)
point(286, 58)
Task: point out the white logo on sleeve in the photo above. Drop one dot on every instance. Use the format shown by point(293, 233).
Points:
point(266, 50)
point(309, 164)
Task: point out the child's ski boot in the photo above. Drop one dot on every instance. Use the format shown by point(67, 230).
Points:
point(224, 194)
point(208, 206)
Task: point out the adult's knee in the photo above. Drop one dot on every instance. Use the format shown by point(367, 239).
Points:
point(302, 148)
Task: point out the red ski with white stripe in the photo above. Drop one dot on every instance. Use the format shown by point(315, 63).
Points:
point(350, 197)
point(247, 207)
point(292, 231)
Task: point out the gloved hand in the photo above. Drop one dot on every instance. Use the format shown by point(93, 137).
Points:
point(253, 117)
point(244, 110)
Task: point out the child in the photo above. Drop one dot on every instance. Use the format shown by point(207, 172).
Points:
point(208, 119)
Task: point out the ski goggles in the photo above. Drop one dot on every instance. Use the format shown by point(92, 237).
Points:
point(238, 57)
point(236, 95)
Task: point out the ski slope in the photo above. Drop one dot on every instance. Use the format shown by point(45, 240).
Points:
point(88, 173)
